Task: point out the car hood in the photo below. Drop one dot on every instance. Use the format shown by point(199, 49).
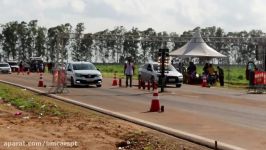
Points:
point(87, 72)
point(172, 73)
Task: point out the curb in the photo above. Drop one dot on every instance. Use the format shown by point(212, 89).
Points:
point(170, 131)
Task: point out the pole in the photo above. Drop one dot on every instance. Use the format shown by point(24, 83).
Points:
point(163, 69)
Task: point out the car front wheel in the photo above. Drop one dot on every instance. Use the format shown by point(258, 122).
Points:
point(178, 85)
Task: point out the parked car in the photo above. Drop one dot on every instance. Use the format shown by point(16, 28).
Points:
point(151, 72)
point(14, 65)
point(83, 73)
point(5, 68)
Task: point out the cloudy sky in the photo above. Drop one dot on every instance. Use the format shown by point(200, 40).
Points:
point(162, 15)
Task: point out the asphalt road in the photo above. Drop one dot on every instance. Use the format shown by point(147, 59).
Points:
point(226, 115)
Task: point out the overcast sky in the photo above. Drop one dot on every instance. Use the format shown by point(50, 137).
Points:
point(162, 15)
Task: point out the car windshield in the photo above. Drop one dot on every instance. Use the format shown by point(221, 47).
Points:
point(13, 63)
point(84, 67)
point(169, 68)
point(4, 65)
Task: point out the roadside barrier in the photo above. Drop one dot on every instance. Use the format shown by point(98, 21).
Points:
point(114, 80)
point(155, 103)
point(259, 82)
point(143, 85)
point(149, 85)
point(120, 82)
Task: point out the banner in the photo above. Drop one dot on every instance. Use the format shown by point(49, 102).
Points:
point(260, 78)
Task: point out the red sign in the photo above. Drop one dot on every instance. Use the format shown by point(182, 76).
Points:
point(260, 77)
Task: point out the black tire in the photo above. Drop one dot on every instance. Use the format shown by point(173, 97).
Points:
point(152, 80)
point(72, 82)
point(139, 77)
point(98, 85)
point(178, 85)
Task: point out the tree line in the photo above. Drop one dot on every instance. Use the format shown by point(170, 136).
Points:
point(22, 40)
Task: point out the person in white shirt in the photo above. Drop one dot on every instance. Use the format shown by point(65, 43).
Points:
point(129, 72)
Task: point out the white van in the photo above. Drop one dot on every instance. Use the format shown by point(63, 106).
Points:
point(83, 73)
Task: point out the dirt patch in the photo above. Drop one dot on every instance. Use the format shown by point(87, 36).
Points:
point(78, 129)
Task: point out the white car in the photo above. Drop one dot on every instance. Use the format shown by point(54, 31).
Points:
point(83, 73)
point(150, 72)
point(14, 65)
point(5, 68)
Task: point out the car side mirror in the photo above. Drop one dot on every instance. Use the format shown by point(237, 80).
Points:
point(98, 69)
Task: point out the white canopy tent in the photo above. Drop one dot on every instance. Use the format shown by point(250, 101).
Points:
point(196, 47)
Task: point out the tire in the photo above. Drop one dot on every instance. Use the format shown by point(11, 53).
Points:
point(72, 82)
point(178, 85)
point(98, 85)
point(139, 77)
point(152, 79)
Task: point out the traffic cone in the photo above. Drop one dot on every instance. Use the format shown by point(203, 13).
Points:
point(41, 81)
point(155, 103)
point(114, 80)
point(204, 81)
point(120, 82)
point(28, 72)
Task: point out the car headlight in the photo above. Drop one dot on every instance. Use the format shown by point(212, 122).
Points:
point(77, 75)
point(99, 75)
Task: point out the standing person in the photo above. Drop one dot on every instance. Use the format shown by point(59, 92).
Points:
point(21, 66)
point(251, 72)
point(221, 76)
point(191, 70)
point(129, 71)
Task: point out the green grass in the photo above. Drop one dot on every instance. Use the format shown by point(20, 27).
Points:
point(109, 70)
point(234, 75)
point(28, 101)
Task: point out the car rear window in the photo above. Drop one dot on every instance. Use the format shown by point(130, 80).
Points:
point(4, 65)
point(84, 67)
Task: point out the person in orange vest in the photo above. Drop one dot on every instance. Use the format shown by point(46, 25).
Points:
point(129, 72)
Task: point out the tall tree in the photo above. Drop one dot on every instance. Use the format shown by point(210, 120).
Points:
point(22, 39)
point(76, 45)
point(131, 44)
point(40, 41)
point(118, 36)
point(10, 39)
point(31, 38)
point(147, 42)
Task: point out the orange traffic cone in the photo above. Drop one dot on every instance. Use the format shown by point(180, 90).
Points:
point(155, 103)
point(40, 84)
point(114, 80)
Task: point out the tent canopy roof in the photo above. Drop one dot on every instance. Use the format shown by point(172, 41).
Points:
point(196, 47)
